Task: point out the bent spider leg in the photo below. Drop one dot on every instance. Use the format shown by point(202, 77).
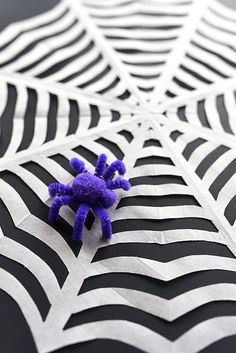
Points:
point(80, 219)
point(105, 222)
point(101, 164)
point(77, 165)
point(115, 166)
point(118, 184)
point(56, 205)
point(59, 189)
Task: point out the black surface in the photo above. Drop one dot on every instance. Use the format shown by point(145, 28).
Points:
point(17, 10)
point(15, 335)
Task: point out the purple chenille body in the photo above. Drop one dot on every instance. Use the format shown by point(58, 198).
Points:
point(89, 191)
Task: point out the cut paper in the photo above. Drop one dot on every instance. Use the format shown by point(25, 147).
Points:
point(152, 84)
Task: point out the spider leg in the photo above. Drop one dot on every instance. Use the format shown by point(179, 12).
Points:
point(105, 222)
point(56, 205)
point(77, 165)
point(56, 188)
point(79, 221)
point(101, 164)
point(118, 184)
point(113, 167)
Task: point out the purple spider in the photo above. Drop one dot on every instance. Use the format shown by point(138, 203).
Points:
point(89, 191)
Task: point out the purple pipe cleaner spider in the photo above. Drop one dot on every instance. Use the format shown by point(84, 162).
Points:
point(89, 191)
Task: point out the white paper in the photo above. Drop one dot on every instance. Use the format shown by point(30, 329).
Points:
point(147, 76)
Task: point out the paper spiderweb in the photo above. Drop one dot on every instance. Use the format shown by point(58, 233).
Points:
point(152, 83)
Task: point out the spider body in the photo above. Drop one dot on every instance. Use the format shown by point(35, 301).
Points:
point(89, 191)
point(88, 188)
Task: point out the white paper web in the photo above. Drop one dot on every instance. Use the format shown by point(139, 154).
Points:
point(151, 83)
